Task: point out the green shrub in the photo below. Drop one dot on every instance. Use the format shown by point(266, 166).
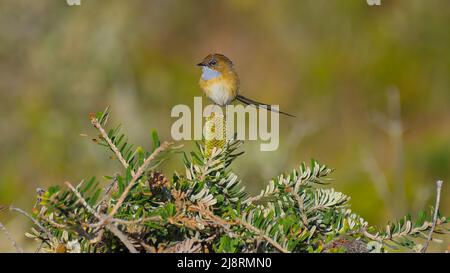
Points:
point(206, 209)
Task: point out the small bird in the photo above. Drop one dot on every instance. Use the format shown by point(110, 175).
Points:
point(220, 82)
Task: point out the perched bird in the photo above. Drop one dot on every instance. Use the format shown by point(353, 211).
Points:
point(220, 82)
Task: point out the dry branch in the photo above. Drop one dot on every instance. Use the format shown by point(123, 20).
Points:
point(111, 145)
point(41, 227)
point(111, 227)
point(136, 176)
point(10, 238)
point(435, 216)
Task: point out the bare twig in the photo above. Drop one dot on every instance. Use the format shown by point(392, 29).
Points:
point(12, 208)
point(101, 218)
point(10, 238)
point(253, 199)
point(49, 219)
point(133, 222)
point(190, 245)
point(122, 237)
point(111, 145)
point(262, 234)
point(147, 247)
point(82, 200)
point(210, 215)
point(408, 230)
point(136, 176)
point(108, 193)
point(435, 216)
point(51, 222)
point(226, 225)
point(39, 247)
point(301, 206)
point(97, 238)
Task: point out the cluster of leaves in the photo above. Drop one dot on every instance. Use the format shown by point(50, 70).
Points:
point(206, 209)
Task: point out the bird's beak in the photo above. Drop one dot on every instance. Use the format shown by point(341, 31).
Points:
point(201, 64)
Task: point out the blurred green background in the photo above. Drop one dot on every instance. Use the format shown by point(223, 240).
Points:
point(353, 74)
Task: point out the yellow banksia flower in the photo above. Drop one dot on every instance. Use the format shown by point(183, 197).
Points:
point(215, 133)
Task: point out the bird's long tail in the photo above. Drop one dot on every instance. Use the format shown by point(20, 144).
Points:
point(260, 104)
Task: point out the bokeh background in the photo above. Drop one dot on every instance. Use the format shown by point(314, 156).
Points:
point(370, 87)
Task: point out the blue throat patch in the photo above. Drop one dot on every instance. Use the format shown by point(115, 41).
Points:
point(209, 73)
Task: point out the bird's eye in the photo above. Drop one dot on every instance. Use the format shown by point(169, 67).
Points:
point(213, 62)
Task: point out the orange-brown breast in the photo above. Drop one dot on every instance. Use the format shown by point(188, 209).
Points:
point(221, 90)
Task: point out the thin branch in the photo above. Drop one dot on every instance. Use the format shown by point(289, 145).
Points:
point(138, 221)
point(408, 230)
point(108, 193)
point(301, 206)
point(51, 222)
point(240, 222)
point(49, 219)
point(82, 200)
point(125, 222)
point(97, 238)
point(216, 219)
point(10, 238)
point(257, 198)
point(101, 218)
point(147, 247)
point(49, 235)
point(262, 234)
point(136, 176)
point(190, 245)
point(253, 199)
point(39, 247)
point(111, 145)
point(122, 237)
point(435, 216)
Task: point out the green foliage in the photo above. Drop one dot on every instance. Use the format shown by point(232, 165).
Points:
point(206, 209)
